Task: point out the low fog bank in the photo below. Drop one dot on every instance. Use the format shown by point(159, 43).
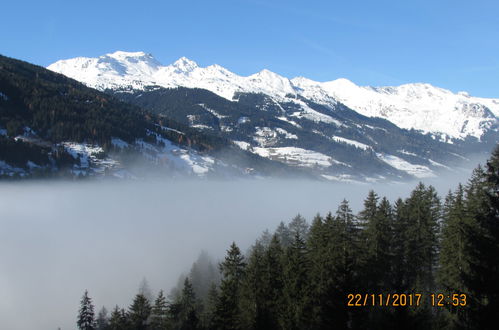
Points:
point(58, 239)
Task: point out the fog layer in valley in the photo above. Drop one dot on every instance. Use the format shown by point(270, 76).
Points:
point(58, 239)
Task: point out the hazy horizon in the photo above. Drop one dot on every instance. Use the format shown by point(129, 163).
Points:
point(61, 238)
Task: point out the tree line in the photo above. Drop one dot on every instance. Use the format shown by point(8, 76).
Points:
point(299, 276)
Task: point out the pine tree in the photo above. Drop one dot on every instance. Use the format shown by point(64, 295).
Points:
point(265, 238)
point(253, 294)
point(370, 208)
point(384, 219)
point(283, 234)
point(454, 254)
point(159, 313)
point(139, 312)
point(378, 247)
point(321, 281)
point(202, 274)
point(298, 225)
point(401, 270)
point(274, 282)
point(377, 263)
point(86, 315)
point(475, 193)
point(102, 319)
point(295, 291)
point(423, 212)
point(344, 253)
point(185, 309)
point(187, 316)
point(118, 319)
point(484, 247)
point(368, 235)
point(228, 314)
point(399, 261)
point(209, 310)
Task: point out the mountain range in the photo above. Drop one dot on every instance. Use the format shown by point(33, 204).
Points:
point(54, 126)
point(126, 108)
point(341, 130)
point(416, 106)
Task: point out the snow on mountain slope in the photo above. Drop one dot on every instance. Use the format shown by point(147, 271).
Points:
point(138, 69)
point(112, 70)
point(297, 156)
point(419, 106)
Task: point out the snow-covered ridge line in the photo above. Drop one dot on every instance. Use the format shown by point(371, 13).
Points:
point(419, 106)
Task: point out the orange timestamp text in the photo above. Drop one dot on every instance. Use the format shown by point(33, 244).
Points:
point(406, 299)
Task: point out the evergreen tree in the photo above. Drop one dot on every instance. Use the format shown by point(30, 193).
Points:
point(86, 315)
point(295, 291)
point(184, 310)
point(283, 234)
point(102, 319)
point(159, 313)
point(139, 312)
point(475, 192)
point(423, 212)
point(367, 221)
point(253, 294)
point(298, 225)
point(344, 253)
point(454, 254)
point(228, 314)
point(273, 282)
point(203, 273)
point(378, 247)
point(400, 247)
point(118, 319)
point(476, 208)
point(370, 208)
point(321, 281)
point(378, 253)
point(401, 274)
point(265, 238)
point(209, 310)
point(484, 248)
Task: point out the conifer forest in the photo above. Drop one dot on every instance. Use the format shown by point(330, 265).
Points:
point(424, 262)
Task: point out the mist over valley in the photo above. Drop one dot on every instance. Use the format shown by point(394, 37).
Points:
point(61, 238)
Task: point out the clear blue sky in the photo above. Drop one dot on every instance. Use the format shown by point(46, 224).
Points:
point(451, 44)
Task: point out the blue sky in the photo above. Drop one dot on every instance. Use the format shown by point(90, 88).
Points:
point(450, 44)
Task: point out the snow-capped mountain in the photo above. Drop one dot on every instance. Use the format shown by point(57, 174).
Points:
point(418, 106)
point(336, 129)
point(70, 130)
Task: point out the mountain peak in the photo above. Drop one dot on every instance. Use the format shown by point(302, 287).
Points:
point(342, 82)
point(123, 54)
point(269, 77)
point(184, 64)
point(133, 57)
point(136, 63)
point(265, 73)
point(303, 81)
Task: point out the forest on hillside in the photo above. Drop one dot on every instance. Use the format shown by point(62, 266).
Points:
point(49, 108)
point(423, 262)
point(59, 109)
